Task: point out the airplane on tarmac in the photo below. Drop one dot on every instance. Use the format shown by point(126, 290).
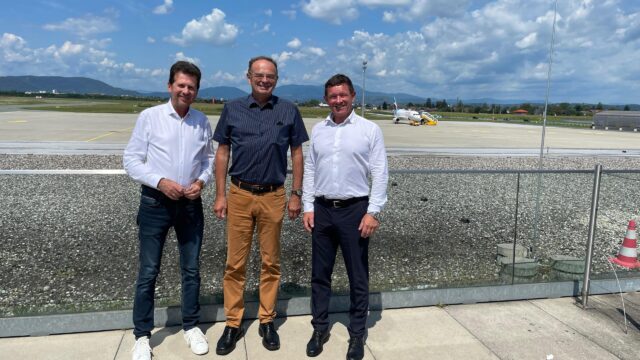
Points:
point(414, 118)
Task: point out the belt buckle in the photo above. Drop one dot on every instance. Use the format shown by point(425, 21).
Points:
point(336, 204)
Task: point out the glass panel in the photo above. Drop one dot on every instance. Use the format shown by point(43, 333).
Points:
point(619, 199)
point(69, 242)
point(553, 226)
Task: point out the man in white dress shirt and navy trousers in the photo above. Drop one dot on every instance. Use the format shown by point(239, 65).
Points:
point(170, 154)
point(340, 210)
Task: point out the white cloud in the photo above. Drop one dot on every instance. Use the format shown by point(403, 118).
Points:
point(291, 14)
point(295, 43)
point(12, 48)
point(210, 28)
point(221, 77)
point(181, 56)
point(334, 11)
point(73, 59)
point(339, 11)
point(165, 8)
point(389, 17)
point(527, 41)
point(69, 48)
point(151, 40)
point(268, 12)
point(265, 28)
point(84, 26)
point(385, 2)
point(316, 51)
point(282, 58)
point(9, 40)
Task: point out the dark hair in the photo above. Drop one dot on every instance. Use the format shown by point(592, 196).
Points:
point(339, 79)
point(185, 67)
point(262, 57)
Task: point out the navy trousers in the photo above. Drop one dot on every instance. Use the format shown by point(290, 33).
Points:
point(157, 214)
point(335, 227)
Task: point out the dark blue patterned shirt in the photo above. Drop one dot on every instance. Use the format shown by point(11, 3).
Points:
point(260, 137)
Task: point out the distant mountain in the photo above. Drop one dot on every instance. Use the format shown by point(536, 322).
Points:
point(490, 101)
point(296, 93)
point(301, 93)
point(69, 85)
point(218, 92)
point(221, 92)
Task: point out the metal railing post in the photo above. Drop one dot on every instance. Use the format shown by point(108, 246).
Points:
point(592, 230)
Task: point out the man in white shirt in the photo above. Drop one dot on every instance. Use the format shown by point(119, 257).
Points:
point(170, 154)
point(339, 209)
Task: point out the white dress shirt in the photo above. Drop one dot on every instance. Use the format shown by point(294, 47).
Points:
point(340, 159)
point(164, 145)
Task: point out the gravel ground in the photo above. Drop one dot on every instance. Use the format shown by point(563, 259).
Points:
point(69, 242)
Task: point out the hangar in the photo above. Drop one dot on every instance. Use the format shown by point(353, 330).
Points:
point(617, 120)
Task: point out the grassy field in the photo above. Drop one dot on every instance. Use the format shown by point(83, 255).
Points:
point(15, 100)
point(136, 106)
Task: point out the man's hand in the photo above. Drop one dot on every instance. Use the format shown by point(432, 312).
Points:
point(193, 192)
point(307, 221)
point(294, 206)
point(220, 207)
point(171, 189)
point(368, 225)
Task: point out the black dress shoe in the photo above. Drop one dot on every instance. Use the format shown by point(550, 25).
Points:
point(228, 340)
point(318, 338)
point(270, 338)
point(356, 348)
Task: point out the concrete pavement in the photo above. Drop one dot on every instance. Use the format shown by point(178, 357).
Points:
point(533, 329)
point(46, 127)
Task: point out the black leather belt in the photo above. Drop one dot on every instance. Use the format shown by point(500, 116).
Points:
point(340, 203)
point(254, 188)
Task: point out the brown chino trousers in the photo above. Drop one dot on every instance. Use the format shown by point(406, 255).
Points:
point(245, 211)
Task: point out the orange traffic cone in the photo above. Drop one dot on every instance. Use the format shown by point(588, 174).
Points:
point(628, 255)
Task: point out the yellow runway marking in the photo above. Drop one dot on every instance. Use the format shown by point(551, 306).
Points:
point(16, 121)
point(109, 133)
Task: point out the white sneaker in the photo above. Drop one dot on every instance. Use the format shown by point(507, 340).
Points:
point(196, 341)
point(141, 350)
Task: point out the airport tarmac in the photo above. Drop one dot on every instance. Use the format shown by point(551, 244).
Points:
point(46, 131)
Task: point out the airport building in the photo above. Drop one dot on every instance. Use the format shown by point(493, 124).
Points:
point(617, 120)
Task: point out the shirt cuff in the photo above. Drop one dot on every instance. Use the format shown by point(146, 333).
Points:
point(308, 207)
point(154, 180)
point(374, 208)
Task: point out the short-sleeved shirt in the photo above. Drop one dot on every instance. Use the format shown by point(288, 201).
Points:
point(259, 138)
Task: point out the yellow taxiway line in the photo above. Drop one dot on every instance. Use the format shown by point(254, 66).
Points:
point(109, 133)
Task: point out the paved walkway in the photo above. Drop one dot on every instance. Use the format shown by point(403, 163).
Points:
point(534, 329)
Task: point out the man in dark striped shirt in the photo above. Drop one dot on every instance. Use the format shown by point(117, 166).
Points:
point(257, 130)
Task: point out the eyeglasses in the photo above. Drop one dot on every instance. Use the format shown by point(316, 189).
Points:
point(258, 76)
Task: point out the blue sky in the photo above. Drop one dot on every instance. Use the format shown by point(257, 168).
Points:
point(430, 48)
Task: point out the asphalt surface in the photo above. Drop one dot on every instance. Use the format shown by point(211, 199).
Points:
point(49, 131)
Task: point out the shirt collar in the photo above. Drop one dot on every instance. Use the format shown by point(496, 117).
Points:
point(169, 110)
point(253, 103)
point(351, 119)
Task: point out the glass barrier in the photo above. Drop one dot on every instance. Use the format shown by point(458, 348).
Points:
point(619, 202)
point(69, 242)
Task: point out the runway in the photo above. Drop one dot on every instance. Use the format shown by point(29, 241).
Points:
point(49, 132)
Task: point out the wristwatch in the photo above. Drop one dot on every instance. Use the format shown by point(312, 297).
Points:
point(375, 215)
point(297, 192)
